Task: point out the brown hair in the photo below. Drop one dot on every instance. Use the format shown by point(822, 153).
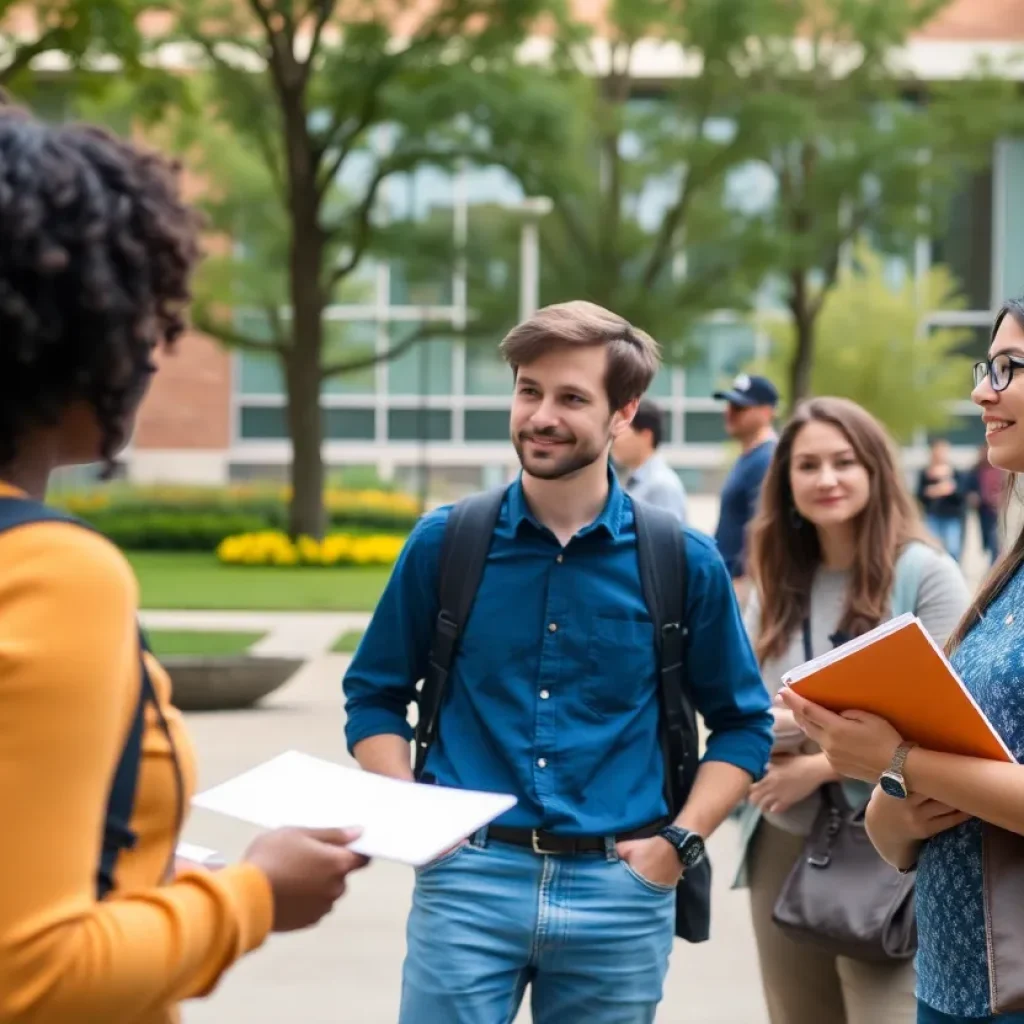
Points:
point(1004, 570)
point(633, 355)
point(784, 547)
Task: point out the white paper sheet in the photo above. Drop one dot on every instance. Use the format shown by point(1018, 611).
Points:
point(401, 821)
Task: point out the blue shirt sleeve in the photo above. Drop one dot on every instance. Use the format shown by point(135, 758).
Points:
point(391, 659)
point(725, 679)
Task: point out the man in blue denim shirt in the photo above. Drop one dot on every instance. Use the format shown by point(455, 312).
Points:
point(553, 697)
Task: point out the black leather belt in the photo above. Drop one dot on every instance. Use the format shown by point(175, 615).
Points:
point(548, 843)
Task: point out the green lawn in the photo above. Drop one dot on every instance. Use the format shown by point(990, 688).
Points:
point(171, 642)
point(348, 642)
point(198, 581)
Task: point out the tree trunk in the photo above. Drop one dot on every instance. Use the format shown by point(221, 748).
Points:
point(304, 378)
point(803, 325)
point(803, 359)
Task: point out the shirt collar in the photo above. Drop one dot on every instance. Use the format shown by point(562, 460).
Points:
point(610, 520)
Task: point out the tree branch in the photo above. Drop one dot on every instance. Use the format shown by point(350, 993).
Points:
point(323, 10)
point(234, 339)
point(344, 366)
point(24, 55)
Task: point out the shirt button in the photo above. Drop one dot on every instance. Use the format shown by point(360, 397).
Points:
point(560, 559)
point(544, 694)
point(552, 626)
point(542, 762)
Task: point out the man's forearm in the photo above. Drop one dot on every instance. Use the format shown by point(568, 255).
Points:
point(717, 789)
point(386, 754)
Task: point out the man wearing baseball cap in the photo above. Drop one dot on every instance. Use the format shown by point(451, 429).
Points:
point(749, 415)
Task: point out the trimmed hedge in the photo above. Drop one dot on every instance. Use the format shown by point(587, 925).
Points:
point(199, 519)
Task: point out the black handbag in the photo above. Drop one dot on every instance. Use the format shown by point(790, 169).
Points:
point(841, 896)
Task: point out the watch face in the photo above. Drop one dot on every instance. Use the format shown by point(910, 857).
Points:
point(893, 785)
point(691, 850)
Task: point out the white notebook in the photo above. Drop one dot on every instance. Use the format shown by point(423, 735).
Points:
point(402, 821)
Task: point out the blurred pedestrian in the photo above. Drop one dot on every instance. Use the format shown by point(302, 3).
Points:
point(942, 492)
point(648, 476)
point(749, 414)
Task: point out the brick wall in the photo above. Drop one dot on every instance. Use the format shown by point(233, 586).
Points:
point(189, 405)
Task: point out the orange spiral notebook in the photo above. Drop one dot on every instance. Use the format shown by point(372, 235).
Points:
point(899, 673)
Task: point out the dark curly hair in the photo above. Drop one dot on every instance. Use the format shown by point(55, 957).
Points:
point(96, 253)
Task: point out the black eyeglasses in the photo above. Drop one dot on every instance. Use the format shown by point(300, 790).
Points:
point(999, 370)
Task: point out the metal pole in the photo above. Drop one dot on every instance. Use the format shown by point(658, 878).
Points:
point(529, 269)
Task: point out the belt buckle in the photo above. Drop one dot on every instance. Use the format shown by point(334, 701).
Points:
point(537, 848)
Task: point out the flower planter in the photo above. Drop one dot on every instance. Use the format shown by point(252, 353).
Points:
point(222, 683)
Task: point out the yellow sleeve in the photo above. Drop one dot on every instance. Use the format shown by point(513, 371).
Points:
point(69, 682)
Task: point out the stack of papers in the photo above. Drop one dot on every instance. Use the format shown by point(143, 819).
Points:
point(898, 672)
point(401, 821)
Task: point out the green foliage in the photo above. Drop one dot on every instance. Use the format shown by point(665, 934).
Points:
point(856, 155)
point(869, 348)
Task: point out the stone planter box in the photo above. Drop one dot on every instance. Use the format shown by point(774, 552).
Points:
point(221, 683)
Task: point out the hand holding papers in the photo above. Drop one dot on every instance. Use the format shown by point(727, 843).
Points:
point(899, 673)
point(402, 821)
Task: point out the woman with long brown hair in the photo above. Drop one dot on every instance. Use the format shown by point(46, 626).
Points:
point(836, 548)
point(953, 815)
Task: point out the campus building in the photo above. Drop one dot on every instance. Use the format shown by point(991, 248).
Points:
point(442, 407)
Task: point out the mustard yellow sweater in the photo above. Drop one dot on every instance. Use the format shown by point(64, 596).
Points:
point(69, 685)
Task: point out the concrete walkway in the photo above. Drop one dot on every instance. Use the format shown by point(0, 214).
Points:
point(288, 634)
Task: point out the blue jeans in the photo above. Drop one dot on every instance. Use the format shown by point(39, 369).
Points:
point(589, 936)
point(949, 531)
point(926, 1015)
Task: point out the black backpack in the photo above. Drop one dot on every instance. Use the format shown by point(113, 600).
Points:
point(663, 575)
point(117, 831)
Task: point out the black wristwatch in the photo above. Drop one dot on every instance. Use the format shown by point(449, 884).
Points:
point(689, 846)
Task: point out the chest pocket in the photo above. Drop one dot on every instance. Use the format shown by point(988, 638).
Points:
point(619, 666)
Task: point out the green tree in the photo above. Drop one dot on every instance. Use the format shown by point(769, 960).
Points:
point(857, 150)
point(305, 113)
point(870, 346)
point(84, 33)
point(642, 218)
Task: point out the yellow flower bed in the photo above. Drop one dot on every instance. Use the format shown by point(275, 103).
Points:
point(274, 548)
point(336, 499)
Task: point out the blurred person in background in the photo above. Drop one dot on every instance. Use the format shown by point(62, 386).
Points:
point(942, 492)
point(837, 547)
point(648, 476)
point(749, 414)
point(98, 921)
point(986, 490)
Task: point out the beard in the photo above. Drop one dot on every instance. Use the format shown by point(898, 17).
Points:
point(558, 461)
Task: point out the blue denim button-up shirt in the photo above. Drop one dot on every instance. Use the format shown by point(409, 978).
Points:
point(553, 696)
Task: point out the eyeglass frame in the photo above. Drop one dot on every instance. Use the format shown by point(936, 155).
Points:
point(1015, 363)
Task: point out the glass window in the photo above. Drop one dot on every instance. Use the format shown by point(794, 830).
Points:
point(260, 375)
point(704, 428)
point(419, 425)
point(349, 424)
point(424, 369)
point(718, 351)
point(346, 340)
point(661, 386)
point(487, 424)
point(264, 422)
point(486, 372)
point(964, 243)
point(425, 200)
point(1011, 207)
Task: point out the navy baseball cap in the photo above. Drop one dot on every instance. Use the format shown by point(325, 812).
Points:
point(748, 391)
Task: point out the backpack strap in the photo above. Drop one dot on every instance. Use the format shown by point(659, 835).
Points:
point(661, 553)
point(467, 539)
point(117, 831)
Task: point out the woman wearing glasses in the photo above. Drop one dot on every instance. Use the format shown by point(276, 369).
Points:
point(937, 825)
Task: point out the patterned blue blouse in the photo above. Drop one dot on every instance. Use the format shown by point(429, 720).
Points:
point(952, 961)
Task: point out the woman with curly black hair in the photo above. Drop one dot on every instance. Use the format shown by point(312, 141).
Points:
point(97, 921)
